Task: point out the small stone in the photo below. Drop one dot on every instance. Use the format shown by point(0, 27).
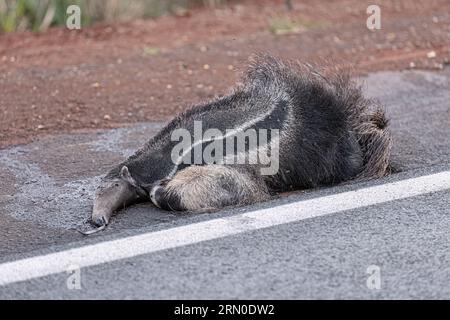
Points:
point(107, 117)
point(40, 127)
point(337, 39)
point(412, 65)
point(390, 36)
point(169, 86)
point(95, 85)
point(206, 66)
point(230, 67)
point(431, 54)
point(182, 65)
point(203, 48)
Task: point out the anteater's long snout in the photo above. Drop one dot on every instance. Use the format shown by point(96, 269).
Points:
point(100, 219)
point(111, 196)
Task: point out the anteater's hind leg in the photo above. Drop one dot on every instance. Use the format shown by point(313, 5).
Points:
point(210, 187)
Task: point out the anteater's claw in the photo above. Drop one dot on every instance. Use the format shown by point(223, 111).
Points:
point(99, 223)
point(89, 232)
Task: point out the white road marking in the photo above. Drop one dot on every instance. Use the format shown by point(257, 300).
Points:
point(108, 251)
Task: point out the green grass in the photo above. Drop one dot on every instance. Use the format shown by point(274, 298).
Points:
point(286, 25)
point(151, 51)
point(38, 15)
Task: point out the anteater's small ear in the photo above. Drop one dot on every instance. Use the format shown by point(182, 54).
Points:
point(125, 175)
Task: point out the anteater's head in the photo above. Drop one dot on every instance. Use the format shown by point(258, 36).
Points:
point(113, 194)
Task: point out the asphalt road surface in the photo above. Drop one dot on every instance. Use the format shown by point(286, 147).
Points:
point(380, 239)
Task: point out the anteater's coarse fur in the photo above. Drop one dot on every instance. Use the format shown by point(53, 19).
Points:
point(328, 133)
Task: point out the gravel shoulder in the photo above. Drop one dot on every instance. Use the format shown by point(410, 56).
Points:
point(110, 76)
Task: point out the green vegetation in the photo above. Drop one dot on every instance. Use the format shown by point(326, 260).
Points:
point(285, 25)
point(38, 15)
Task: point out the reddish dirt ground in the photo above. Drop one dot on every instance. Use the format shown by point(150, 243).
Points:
point(112, 75)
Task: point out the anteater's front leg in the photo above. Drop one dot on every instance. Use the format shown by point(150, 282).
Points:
point(209, 187)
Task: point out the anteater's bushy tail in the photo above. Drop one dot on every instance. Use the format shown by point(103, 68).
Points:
point(370, 125)
point(375, 140)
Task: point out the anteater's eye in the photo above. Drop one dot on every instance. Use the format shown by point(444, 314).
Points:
point(116, 184)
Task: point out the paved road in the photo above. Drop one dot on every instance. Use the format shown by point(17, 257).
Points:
point(45, 189)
